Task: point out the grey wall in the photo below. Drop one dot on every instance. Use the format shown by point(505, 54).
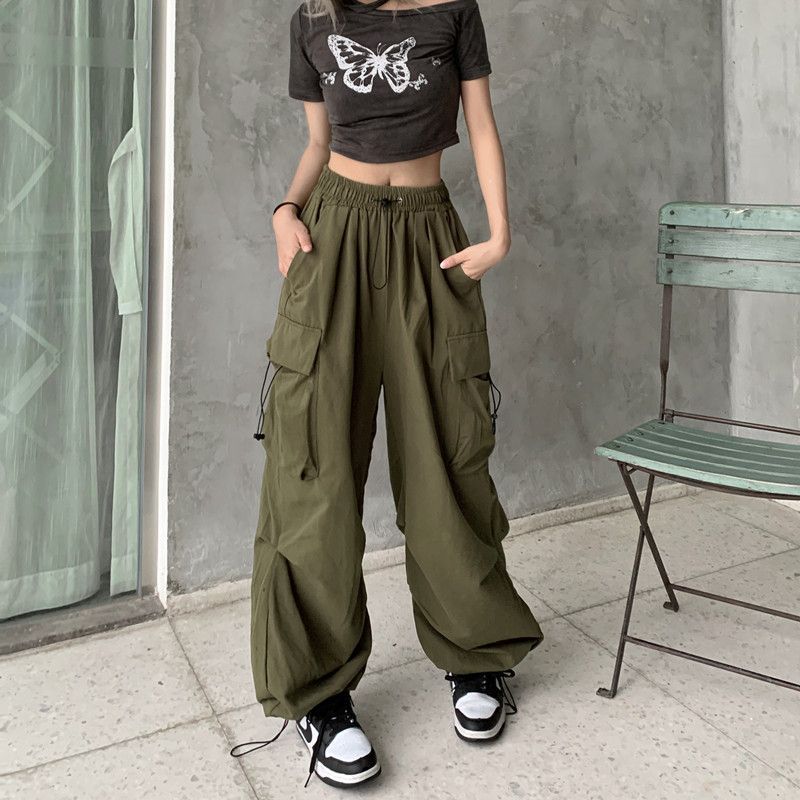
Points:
point(762, 130)
point(606, 111)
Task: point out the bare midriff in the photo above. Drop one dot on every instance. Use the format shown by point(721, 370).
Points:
point(425, 171)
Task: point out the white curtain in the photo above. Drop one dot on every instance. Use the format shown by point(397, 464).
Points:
point(126, 190)
point(73, 80)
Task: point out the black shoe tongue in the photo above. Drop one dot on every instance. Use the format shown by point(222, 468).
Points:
point(480, 683)
point(334, 713)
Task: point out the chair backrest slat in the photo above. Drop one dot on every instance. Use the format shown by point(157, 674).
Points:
point(750, 245)
point(755, 248)
point(754, 276)
point(731, 217)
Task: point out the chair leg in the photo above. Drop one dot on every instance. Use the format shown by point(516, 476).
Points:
point(645, 535)
point(626, 620)
point(643, 512)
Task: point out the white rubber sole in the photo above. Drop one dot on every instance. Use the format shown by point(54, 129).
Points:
point(333, 778)
point(479, 736)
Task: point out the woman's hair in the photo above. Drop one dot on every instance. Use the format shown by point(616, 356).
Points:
point(323, 8)
point(330, 8)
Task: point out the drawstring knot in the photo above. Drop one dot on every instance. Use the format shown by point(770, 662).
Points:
point(259, 434)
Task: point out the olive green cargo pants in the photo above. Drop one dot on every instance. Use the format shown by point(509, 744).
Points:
point(369, 308)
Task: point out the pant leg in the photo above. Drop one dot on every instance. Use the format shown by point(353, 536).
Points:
point(469, 617)
point(310, 631)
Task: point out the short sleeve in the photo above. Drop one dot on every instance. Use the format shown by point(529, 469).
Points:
point(303, 76)
point(473, 55)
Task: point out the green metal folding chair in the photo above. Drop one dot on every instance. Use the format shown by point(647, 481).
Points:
point(755, 248)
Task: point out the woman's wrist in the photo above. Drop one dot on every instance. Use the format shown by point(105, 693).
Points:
point(284, 213)
point(295, 208)
point(501, 240)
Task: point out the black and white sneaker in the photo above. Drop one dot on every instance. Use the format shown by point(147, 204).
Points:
point(481, 702)
point(341, 754)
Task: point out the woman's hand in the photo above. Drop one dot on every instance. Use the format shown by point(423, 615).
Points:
point(477, 259)
point(291, 235)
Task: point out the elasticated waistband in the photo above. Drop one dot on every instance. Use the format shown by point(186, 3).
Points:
point(338, 189)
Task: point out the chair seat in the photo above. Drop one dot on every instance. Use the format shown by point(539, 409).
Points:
point(716, 459)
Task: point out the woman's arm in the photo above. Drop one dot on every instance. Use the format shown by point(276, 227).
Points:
point(290, 233)
point(479, 258)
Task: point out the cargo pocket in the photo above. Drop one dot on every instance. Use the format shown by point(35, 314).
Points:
point(291, 416)
point(469, 362)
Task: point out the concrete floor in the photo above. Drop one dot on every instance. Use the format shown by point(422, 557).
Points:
point(151, 710)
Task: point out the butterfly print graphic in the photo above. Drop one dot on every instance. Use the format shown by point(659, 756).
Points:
point(327, 78)
point(361, 65)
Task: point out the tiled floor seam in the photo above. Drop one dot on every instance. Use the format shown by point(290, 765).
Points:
point(627, 665)
point(641, 592)
point(516, 579)
point(240, 762)
point(108, 746)
point(757, 527)
point(214, 713)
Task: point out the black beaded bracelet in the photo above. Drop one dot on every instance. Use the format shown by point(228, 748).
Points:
point(287, 203)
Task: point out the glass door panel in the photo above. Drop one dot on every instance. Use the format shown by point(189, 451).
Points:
point(74, 94)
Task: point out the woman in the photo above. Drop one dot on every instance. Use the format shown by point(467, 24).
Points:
point(382, 291)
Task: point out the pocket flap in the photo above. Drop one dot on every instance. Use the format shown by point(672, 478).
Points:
point(468, 354)
point(293, 345)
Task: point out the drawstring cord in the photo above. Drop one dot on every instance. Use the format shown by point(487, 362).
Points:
point(257, 745)
point(495, 401)
point(511, 703)
point(315, 753)
point(238, 750)
point(259, 434)
point(385, 204)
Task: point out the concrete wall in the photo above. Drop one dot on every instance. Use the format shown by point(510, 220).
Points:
point(606, 110)
point(762, 132)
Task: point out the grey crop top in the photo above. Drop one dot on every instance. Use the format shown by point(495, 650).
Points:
point(390, 80)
